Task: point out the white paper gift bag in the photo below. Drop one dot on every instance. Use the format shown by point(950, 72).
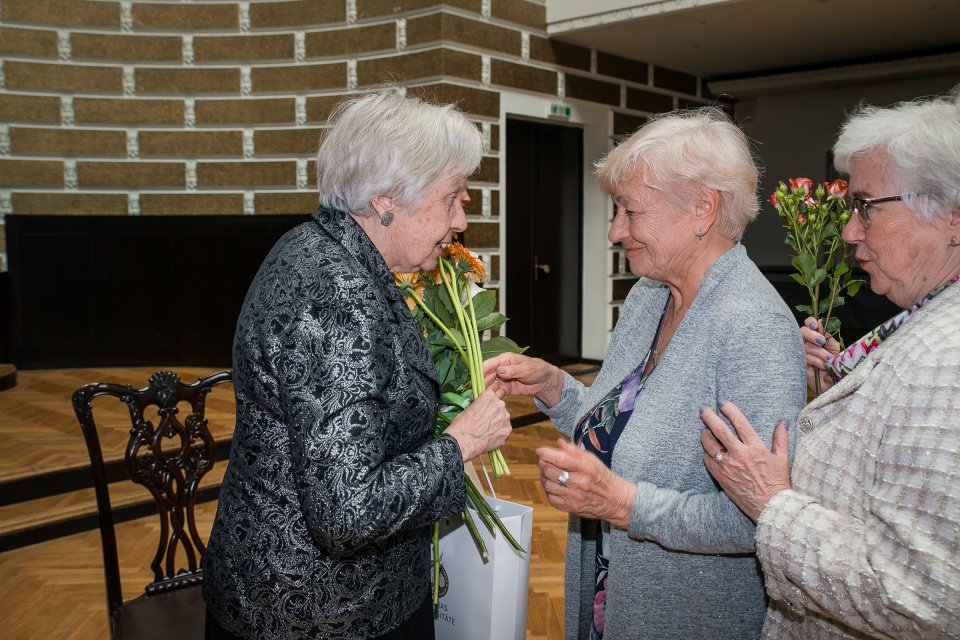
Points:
point(484, 600)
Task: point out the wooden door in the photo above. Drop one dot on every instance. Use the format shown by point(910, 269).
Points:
point(544, 214)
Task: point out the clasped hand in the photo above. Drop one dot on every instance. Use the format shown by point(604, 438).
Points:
point(591, 490)
point(747, 471)
point(819, 346)
point(483, 426)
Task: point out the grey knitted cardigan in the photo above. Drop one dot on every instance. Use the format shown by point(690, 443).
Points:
point(686, 567)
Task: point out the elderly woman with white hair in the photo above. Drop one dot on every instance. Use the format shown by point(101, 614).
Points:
point(860, 539)
point(335, 476)
point(655, 549)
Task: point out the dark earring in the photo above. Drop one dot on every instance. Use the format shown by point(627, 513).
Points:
point(387, 218)
point(700, 234)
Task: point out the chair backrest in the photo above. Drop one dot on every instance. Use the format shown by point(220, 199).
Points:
point(169, 459)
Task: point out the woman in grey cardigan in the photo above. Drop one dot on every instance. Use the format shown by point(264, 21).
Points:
point(655, 549)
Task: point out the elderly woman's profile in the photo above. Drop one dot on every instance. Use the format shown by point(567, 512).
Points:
point(861, 537)
point(335, 476)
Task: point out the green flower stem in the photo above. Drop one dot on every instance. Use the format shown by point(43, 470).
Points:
point(474, 357)
point(437, 322)
point(475, 338)
point(436, 562)
point(497, 460)
point(477, 538)
point(485, 506)
point(469, 333)
point(450, 285)
point(476, 497)
point(834, 281)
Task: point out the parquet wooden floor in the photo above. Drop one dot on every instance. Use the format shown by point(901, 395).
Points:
point(54, 589)
point(39, 430)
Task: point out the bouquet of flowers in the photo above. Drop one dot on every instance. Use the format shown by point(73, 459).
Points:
point(815, 218)
point(454, 313)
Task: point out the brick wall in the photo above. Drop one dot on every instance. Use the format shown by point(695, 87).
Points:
point(154, 108)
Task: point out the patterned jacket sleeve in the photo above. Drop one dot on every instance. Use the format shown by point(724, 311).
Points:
point(760, 369)
point(887, 564)
point(335, 362)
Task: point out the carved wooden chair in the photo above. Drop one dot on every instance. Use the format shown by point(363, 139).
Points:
point(169, 459)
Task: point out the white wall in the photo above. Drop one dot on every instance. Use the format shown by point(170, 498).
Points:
point(560, 10)
point(794, 132)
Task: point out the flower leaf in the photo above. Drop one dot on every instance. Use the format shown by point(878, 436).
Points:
point(853, 287)
point(456, 399)
point(491, 321)
point(496, 346)
point(805, 264)
point(804, 308)
point(818, 276)
point(833, 326)
point(443, 341)
point(484, 303)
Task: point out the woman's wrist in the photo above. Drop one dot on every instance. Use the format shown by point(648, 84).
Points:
point(626, 496)
point(552, 390)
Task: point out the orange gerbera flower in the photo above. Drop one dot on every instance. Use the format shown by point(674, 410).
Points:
point(409, 283)
point(465, 259)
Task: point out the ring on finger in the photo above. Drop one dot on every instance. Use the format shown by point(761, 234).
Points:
point(718, 456)
point(563, 477)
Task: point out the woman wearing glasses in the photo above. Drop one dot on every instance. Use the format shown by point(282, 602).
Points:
point(862, 537)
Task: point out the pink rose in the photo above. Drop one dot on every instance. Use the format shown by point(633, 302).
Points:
point(774, 201)
point(838, 189)
point(802, 218)
point(801, 183)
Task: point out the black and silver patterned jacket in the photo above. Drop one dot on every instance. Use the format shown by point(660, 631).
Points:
point(323, 525)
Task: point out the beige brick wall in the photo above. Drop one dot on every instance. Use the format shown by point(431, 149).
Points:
point(260, 111)
point(126, 111)
point(128, 48)
point(217, 106)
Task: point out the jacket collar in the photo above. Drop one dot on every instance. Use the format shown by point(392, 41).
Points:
point(341, 226)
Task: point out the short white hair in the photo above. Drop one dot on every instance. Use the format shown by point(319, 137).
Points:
point(921, 141)
point(386, 144)
point(682, 154)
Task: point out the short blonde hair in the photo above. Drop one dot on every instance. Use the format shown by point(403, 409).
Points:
point(385, 144)
point(682, 154)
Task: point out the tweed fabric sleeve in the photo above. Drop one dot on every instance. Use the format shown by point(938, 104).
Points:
point(868, 542)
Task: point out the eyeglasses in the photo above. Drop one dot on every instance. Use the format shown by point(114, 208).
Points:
point(861, 206)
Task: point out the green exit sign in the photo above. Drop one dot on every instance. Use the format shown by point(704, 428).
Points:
point(558, 110)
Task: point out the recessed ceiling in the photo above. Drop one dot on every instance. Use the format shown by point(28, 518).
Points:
point(746, 37)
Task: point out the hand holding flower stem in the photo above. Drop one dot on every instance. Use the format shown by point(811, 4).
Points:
point(815, 219)
point(473, 355)
point(447, 307)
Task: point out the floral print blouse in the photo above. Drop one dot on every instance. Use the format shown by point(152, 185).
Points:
point(598, 432)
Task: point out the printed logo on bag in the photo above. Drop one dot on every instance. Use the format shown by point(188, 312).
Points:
point(444, 583)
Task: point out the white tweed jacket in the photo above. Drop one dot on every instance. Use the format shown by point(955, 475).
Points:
point(867, 544)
